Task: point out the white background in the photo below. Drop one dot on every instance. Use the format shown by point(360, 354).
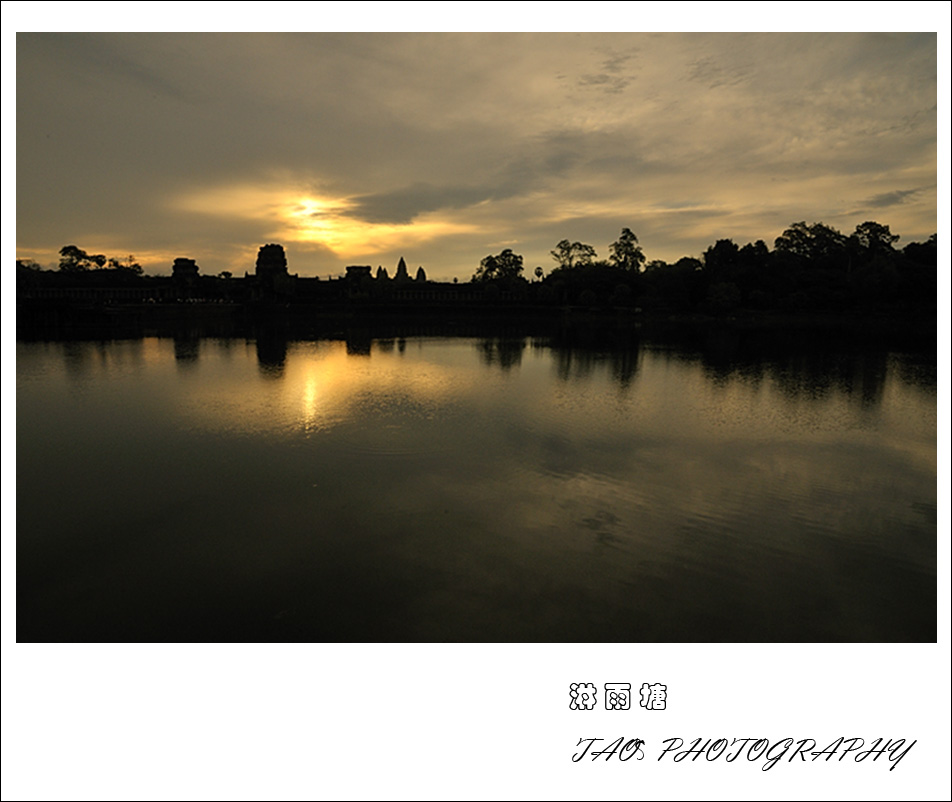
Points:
point(472, 720)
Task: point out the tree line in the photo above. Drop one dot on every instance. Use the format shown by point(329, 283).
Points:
point(811, 267)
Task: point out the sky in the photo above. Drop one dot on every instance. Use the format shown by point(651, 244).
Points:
point(360, 148)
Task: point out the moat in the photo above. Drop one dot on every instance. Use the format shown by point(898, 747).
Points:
point(506, 486)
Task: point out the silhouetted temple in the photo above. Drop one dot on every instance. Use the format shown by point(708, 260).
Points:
point(402, 276)
point(270, 285)
point(271, 278)
point(184, 270)
point(184, 277)
point(860, 274)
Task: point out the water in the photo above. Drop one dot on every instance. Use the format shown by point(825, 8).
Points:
point(472, 489)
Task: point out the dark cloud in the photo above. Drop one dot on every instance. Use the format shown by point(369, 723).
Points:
point(892, 198)
point(97, 57)
point(712, 73)
point(544, 159)
point(403, 205)
point(612, 78)
point(616, 63)
point(610, 83)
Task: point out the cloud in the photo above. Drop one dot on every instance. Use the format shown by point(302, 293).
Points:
point(402, 205)
point(893, 198)
point(612, 79)
point(713, 74)
point(102, 61)
point(458, 142)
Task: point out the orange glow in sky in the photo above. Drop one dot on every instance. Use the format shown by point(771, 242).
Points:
point(308, 218)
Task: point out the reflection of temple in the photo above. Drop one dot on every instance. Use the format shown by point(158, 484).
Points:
point(187, 342)
point(271, 348)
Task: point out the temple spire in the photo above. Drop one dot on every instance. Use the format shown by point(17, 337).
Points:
point(402, 274)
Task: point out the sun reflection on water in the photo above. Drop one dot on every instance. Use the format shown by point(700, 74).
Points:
point(320, 385)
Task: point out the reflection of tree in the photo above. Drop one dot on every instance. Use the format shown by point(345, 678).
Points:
point(76, 358)
point(624, 366)
point(502, 351)
point(573, 363)
point(800, 363)
point(578, 351)
point(918, 371)
point(580, 363)
point(860, 376)
point(225, 346)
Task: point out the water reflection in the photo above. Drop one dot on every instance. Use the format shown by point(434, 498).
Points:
point(187, 344)
point(504, 352)
point(359, 342)
point(271, 348)
point(489, 488)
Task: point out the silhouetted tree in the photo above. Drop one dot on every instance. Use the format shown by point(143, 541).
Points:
point(130, 264)
point(677, 286)
point(924, 253)
point(815, 243)
point(626, 253)
point(573, 254)
point(723, 297)
point(601, 278)
point(507, 265)
point(621, 296)
point(753, 274)
point(875, 237)
point(754, 254)
point(76, 260)
point(29, 273)
point(588, 297)
point(721, 259)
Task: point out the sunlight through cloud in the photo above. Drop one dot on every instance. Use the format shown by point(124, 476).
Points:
point(296, 217)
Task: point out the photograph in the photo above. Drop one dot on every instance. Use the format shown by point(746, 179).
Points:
point(425, 413)
point(476, 337)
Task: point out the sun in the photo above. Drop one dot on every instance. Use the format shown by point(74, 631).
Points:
point(323, 221)
point(332, 223)
point(305, 217)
